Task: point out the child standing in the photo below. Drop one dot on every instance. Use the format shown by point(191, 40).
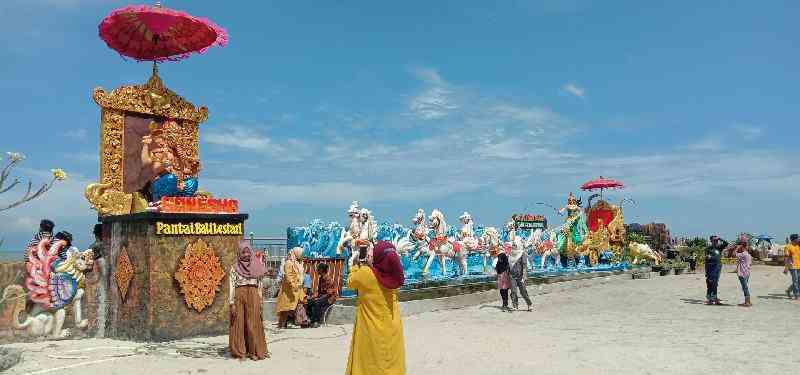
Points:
point(743, 262)
point(503, 278)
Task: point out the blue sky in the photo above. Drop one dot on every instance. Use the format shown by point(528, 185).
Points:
point(456, 105)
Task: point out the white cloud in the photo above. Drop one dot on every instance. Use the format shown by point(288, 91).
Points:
point(436, 101)
point(78, 134)
point(246, 138)
point(574, 89)
point(710, 143)
point(748, 132)
point(258, 195)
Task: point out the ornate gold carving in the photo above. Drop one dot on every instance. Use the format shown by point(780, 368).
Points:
point(151, 98)
point(199, 275)
point(111, 148)
point(139, 203)
point(124, 272)
point(108, 201)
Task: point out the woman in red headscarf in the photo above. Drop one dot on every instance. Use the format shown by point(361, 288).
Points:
point(246, 338)
point(377, 347)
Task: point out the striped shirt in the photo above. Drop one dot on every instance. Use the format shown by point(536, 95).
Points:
point(34, 242)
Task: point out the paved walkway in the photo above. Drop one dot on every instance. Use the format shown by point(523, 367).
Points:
point(656, 326)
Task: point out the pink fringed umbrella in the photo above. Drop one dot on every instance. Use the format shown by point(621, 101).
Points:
point(158, 34)
point(602, 183)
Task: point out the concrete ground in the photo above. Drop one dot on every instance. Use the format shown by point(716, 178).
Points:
point(622, 326)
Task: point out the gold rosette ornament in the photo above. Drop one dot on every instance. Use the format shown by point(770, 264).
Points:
point(199, 275)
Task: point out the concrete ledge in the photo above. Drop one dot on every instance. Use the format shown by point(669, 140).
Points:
point(437, 298)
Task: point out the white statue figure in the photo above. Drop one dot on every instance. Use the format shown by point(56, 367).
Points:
point(544, 244)
point(466, 236)
point(442, 246)
point(353, 229)
point(417, 239)
point(367, 232)
point(639, 252)
point(492, 246)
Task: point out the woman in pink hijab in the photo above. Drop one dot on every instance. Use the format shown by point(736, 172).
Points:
point(247, 338)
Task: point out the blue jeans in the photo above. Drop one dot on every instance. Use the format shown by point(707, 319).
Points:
point(745, 289)
point(795, 282)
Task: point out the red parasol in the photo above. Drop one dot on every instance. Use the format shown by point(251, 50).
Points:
point(158, 34)
point(602, 183)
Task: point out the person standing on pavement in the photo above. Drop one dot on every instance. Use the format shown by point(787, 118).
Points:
point(743, 262)
point(792, 254)
point(714, 269)
point(502, 270)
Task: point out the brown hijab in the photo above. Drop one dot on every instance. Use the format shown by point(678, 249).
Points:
point(249, 264)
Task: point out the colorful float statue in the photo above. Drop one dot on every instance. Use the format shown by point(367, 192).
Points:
point(605, 222)
point(572, 233)
point(55, 279)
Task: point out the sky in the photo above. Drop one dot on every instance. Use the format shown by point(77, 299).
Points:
point(457, 105)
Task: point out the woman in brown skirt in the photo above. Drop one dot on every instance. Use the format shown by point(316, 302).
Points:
point(247, 339)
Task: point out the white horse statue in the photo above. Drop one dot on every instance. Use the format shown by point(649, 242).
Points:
point(491, 246)
point(442, 246)
point(417, 239)
point(466, 236)
point(543, 242)
point(359, 236)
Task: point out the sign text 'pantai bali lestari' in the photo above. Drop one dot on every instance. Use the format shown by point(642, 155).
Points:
point(200, 228)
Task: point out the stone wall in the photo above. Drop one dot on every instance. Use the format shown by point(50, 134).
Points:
point(154, 308)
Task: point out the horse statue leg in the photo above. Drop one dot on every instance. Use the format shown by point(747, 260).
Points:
point(76, 306)
point(443, 259)
point(58, 322)
point(426, 269)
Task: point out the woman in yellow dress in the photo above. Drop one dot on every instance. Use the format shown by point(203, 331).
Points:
point(377, 347)
point(291, 293)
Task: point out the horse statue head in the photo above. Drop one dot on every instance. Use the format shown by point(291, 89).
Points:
point(437, 223)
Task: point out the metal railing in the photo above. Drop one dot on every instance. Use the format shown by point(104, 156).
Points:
point(272, 246)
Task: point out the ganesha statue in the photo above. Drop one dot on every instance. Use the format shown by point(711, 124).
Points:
point(173, 166)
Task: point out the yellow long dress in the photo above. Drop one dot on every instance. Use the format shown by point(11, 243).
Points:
point(291, 290)
point(377, 347)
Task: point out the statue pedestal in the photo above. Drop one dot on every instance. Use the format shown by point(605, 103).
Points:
point(144, 300)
